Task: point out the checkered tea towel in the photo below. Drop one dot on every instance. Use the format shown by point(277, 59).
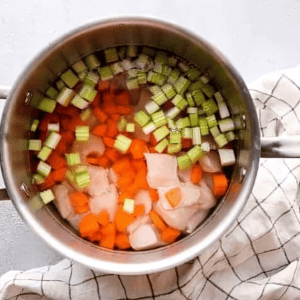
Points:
point(258, 258)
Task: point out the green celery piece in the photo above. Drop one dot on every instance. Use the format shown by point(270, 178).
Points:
point(111, 54)
point(92, 62)
point(181, 85)
point(197, 85)
point(195, 153)
point(47, 105)
point(161, 57)
point(79, 67)
point(208, 90)
point(161, 146)
point(69, 78)
point(87, 92)
point(47, 196)
point(51, 93)
point(174, 148)
point(175, 137)
point(192, 74)
point(128, 205)
point(198, 97)
point(210, 107)
point(142, 118)
point(184, 162)
point(105, 73)
point(161, 133)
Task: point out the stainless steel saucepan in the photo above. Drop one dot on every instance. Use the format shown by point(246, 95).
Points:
point(56, 58)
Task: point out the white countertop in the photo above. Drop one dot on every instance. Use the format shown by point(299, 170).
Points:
point(257, 36)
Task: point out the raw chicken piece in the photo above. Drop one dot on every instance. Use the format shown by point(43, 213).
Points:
point(137, 223)
point(196, 219)
point(207, 199)
point(112, 176)
point(62, 201)
point(94, 145)
point(106, 201)
point(143, 197)
point(210, 162)
point(144, 237)
point(76, 219)
point(185, 175)
point(99, 181)
point(162, 170)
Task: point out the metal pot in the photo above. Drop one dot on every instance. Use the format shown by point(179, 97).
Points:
point(57, 57)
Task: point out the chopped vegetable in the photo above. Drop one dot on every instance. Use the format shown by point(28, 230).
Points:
point(220, 184)
point(161, 133)
point(161, 146)
point(159, 118)
point(196, 136)
point(174, 196)
point(47, 105)
point(184, 162)
point(34, 125)
point(44, 153)
point(92, 61)
point(88, 225)
point(196, 174)
point(195, 153)
point(158, 222)
point(128, 206)
point(82, 133)
point(52, 140)
point(142, 118)
point(169, 235)
point(227, 157)
point(43, 168)
point(47, 196)
point(69, 78)
point(122, 143)
point(73, 158)
point(35, 145)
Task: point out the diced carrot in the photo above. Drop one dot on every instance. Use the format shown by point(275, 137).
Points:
point(133, 188)
point(103, 161)
point(123, 219)
point(75, 121)
point(65, 122)
point(59, 174)
point(158, 222)
point(116, 117)
point(103, 85)
point(110, 109)
point(139, 210)
point(88, 225)
point(56, 161)
point(100, 130)
point(122, 241)
point(196, 174)
point(153, 141)
point(108, 141)
point(68, 137)
point(186, 143)
point(220, 184)
point(124, 181)
point(43, 135)
point(107, 242)
point(124, 110)
point(123, 98)
point(123, 196)
point(121, 165)
point(169, 235)
point(139, 164)
point(100, 114)
point(154, 195)
point(96, 101)
point(103, 218)
point(112, 128)
point(141, 179)
point(48, 118)
point(79, 201)
point(92, 160)
point(107, 98)
point(61, 148)
point(174, 196)
point(109, 229)
point(95, 236)
point(70, 110)
point(112, 154)
point(152, 149)
point(138, 148)
point(48, 183)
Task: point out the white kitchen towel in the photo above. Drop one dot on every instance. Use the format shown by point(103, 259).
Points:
point(258, 258)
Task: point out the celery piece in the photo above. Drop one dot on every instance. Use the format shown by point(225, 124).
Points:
point(184, 162)
point(142, 77)
point(198, 97)
point(35, 145)
point(203, 126)
point(51, 93)
point(161, 57)
point(122, 124)
point(82, 133)
point(38, 179)
point(195, 153)
point(60, 84)
point(73, 158)
point(92, 62)
point(82, 179)
point(211, 121)
point(230, 136)
point(82, 75)
point(142, 118)
point(186, 122)
point(205, 147)
point(79, 102)
point(168, 90)
point(44, 153)
point(166, 70)
point(200, 111)
point(215, 131)
point(227, 157)
point(193, 119)
point(149, 128)
point(175, 137)
point(159, 118)
point(172, 112)
point(128, 206)
point(180, 102)
point(122, 52)
point(221, 140)
point(53, 127)
point(116, 68)
point(192, 110)
point(87, 92)
point(197, 85)
point(174, 75)
point(130, 127)
point(111, 54)
point(210, 107)
point(149, 51)
point(192, 74)
point(208, 90)
point(85, 114)
point(218, 96)
point(91, 79)
point(181, 85)
point(34, 125)
point(43, 168)
point(47, 196)
point(183, 66)
point(161, 146)
point(187, 133)
point(79, 67)
point(142, 61)
point(158, 67)
point(223, 110)
point(132, 50)
point(132, 83)
point(47, 105)
point(174, 148)
point(52, 140)
point(65, 96)
point(171, 124)
point(70, 176)
point(105, 73)
point(205, 78)
point(80, 168)
point(151, 107)
point(179, 123)
point(158, 95)
point(156, 78)
point(161, 133)
point(226, 124)
point(69, 78)
point(196, 136)
point(172, 61)
point(127, 64)
point(122, 143)
point(190, 99)
point(132, 73)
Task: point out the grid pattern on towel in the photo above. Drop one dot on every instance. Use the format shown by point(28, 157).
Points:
point(256, 259)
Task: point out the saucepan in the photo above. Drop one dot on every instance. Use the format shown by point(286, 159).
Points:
point(43, 70)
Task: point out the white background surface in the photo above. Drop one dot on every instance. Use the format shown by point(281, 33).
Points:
point(256, 36)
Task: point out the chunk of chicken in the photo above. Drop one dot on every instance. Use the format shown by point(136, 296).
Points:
point(207, 199)
point(106, 201)
point(131, 228)
point(162, 170)
point(112, 176)
point(210, 162)
point(196, 220)
point(185, 175)
point(143, 197)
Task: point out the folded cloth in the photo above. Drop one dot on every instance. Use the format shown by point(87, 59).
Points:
point(258, 258)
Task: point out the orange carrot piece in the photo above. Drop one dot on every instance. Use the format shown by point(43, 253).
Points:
point(121, 165)
point(43, 135)
point(112, 154)
point(103, 161)
point(116, 117)
point(103, 85)
point(48, 183)
point(124, 110)
point(75, 121)
point(133, 188)
point(186, 143)
point(92, 160)
point(154, 195)
point(79, 201)
point(107, 242)
point(96, 101)
point(108, 141)
point(156, 219)
point(99, 114)
point(123, 219)
point(123, 98)
point(196, 174)
point(95, 236)
point(56, 161)
point(68, 137)
point(122, 241)
point(88, 225)
point(139, 210)
point(123, 196)
point(100, 130)
point(152, 140)
point(139, 164)
point(103, 218)
point(61, 147)
point(110, 109)
point(141, 179)
point(169, 235)
point(174, 196)
point(112, 128)
point(109, 229)
point(124, 181)
point(138, 148)
point(108, 236)
point(59, 174)
point(48, 118)
point(107, 98)
point(220, 184)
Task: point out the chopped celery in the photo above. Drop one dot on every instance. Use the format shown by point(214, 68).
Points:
point(122, 143)
point(193, 119)
point(79, 67)
point(122, 124)
point(190, 99)
point(184, 162)
point(197, 85)
point(161, 133)
point(127, 64)
point(132, 51)
point(172, 61)
point(203, 126)
point(175, 137)
point(87, 92)
point(221, 140)
point(210, 107)
point(60, 84)
point(122, 52)
point(187, 133)
point(161, 146)
point(196, 136)
point(211, 121)
point(208, 90)
point(226, 124)
point(168, 90)
point(130, 127)
point(47, 196)
point(92, 62)
point(158, 95)
point(142, 77)
point(149, 51)
point(149, 128)
point(179, 102)
point(44, 153)
point(86, 114)
point(156, 78)
point(132, 83)
point(51, 93)
point(128, 206)
point(82, 75)
point(151, 107)
point(53, 127)
point(174, 75)
point(52, 140)
point(161, 57)
point(69, 78)
point(223, 110)
point(79, 102)
point(65, 96)
point(171, 124)
point(215, 131)
point(34, 125)
point(159, 118)
point(218, 96)
point(91, 79)
point(183, 122)
point(82, 133)
point(142, 118)
point(192, 110)
point(192, 74)
point(111, 54)
point(82, 179)
point(195, 153)
point(105, 73)
point(172, 112)
point(230, 136)
point(158, 67)
point(166, 70)
point(142, 61)
point(174, 148)
point(47, 105)
point(227, 157)
point(38, 179)
point(205, 147)
point(73, 158)
point(70, 176)
point(116, 68)
point(35, 145)
point(205, 78)
point(181, 85)
point(132, 73)
point(198, 97)
point(183, 66)
point(43, 168)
